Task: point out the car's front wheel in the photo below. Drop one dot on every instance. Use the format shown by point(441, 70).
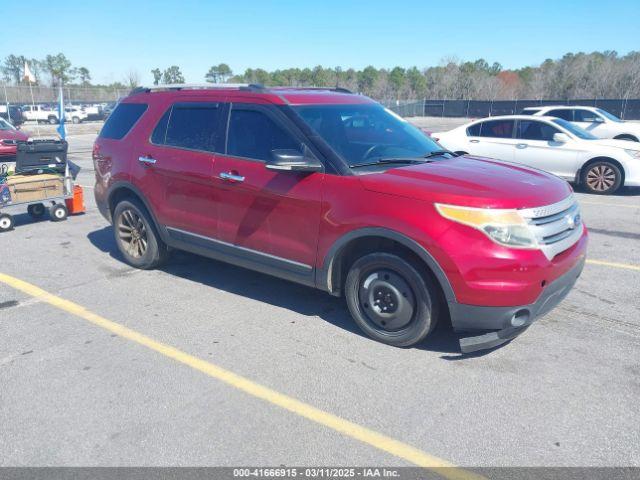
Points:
point(602, 177)
point(390, 300)
point(136, 236)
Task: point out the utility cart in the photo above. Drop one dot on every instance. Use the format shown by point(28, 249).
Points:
point(41, 183)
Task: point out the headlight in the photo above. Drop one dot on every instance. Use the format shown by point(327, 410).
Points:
point(633, 153)
point(505, 227)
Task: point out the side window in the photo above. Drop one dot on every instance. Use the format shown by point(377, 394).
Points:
point(194, 126)
point(532, 130)
point(530, 111)
point(474, 130)
point(497, 129)
point(563, 113)
point(160, 132)
point(122, 119)
point(253, 134)
point(586, 116)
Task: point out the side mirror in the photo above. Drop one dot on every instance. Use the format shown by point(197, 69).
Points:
point(561, 137)
point(289, 160)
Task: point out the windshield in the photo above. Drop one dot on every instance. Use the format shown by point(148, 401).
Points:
point(4, 125)
point(362, 134)
point(608, 115)
point(574, 129)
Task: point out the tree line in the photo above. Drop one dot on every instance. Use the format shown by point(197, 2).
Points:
point(576, 75)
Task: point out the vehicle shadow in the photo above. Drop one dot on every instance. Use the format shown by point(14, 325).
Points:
point(274, 291)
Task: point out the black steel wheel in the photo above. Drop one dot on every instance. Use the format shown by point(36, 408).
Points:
point(602, 178)
point(136, 236)
point(390, 300)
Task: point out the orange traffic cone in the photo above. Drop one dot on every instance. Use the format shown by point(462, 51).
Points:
point(75, 205)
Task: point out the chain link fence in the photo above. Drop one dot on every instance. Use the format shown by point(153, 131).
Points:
point(22, 94)
point(626, 109)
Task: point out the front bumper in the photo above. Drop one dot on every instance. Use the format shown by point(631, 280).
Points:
point(509, 322)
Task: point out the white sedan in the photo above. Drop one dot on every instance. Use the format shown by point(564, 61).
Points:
point(551, 144)
point(594, 120)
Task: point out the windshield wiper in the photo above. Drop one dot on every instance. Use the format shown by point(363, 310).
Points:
point(438, 153)
point(382, 161)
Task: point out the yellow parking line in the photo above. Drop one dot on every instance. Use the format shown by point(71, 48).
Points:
point(626, 266)
point(608, 204)
point(353, 430)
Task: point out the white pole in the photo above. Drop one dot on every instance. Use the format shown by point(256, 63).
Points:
point(33, 104)
point(6, 101)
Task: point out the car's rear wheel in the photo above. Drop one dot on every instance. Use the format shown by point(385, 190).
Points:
point(75, 120)
point(53, 120)
point(390, 300)
point(602, 178)
point(136, 236)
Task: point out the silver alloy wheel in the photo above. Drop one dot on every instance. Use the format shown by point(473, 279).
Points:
point(601, 178)
point(132, 233)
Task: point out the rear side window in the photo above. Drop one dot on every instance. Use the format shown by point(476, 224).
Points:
point(474, 130)
point(194, 126)
point(563, 113)
point(496, 129)
point(585, 116)
point(532, 130)
point(122, 119)
point(253, 134)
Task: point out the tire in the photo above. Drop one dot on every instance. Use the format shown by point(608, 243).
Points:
point(6, 222)
point(136, 236)
point(390, 300)
point(75, 120)
point(58, 213)
point(601, 177)
point(36, 210)
point(53, 120)
point(630, 138)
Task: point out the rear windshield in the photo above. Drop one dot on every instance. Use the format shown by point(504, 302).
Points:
point(122, 119)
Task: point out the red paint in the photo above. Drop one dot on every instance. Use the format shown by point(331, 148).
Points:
point(300, 217)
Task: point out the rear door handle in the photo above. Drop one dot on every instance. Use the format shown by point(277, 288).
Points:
point(147, 160)
point(232, 177)
point(474, 141)
point(521, 145)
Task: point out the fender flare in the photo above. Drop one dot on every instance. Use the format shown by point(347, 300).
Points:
point(324, 275)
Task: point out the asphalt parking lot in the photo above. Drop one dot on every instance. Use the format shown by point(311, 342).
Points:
point(184, 383)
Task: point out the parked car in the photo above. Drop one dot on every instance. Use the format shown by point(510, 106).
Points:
point(275, 180)
point(551, 144)
point(93, 111)
point(12, 114)
point(40, 114)
point(9, 135)
point(596, 121)
point(75, 114)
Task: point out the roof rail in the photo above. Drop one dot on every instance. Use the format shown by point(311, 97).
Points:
point(327, 89)
point(187, 86)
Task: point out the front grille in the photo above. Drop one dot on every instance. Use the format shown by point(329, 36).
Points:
point(556, 227)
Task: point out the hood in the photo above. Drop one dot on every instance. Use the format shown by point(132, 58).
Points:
point(471, 181)
point(12, 135)
point(610, 142)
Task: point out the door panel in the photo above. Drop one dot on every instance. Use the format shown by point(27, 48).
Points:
point(536, 148)
point(176, 166)
point(273, 212)
point(493, 139)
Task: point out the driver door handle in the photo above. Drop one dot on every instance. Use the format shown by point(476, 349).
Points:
point(522, 145)
point(231, 177)
point(474, 141)
point(147, 160)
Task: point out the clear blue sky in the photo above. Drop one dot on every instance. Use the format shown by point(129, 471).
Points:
point(112, 37)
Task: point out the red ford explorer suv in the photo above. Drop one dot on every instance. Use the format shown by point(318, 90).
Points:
point(329, 189)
